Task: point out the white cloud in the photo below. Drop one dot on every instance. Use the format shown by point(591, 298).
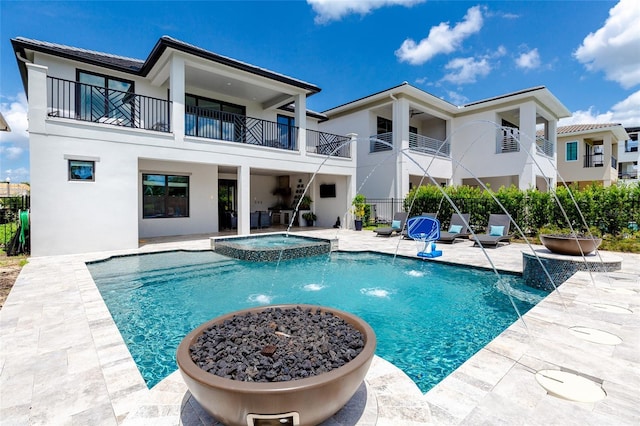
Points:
point(334, 10)
point(15, 114)
point(500, 51)
point(11, 152)
point(613, 48)
point(17, 175)
point(15, 143)
point(625, 112)
point(457, 98)
point(442, 39)
point(466, 70)
point(528, 60)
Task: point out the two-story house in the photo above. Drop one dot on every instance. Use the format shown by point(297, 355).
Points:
point(412, 137)
point(587, 153)
point(628, 156)
point(183, 142)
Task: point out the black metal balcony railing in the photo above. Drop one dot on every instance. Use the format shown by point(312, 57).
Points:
point(211, 124)
point(79, 101)
point(614, 162)
point(594, 160)
point(328, 144)
point(85, 102)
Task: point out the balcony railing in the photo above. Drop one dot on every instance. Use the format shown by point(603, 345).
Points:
point(80, 101)
point(507, 140)
point(328, 144)
point(211, 124)
point(594, 160)
point(417, 143)
point(376, 142)
point(544, 147)
point(614, 162)
point(429, 145)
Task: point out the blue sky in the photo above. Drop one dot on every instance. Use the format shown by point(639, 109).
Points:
point(585, 52)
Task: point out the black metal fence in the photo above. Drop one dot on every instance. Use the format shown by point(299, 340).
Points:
point(380, 211)
point(10, 208)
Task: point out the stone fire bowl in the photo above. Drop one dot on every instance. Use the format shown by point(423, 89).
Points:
point(573, 246)
point(315, 398)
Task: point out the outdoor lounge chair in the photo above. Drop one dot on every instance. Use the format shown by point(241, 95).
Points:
point(397, 225)
point(497, 231)
point(458, 228)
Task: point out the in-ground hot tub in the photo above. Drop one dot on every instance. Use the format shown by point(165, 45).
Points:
point(305, 401)
point(271, 247)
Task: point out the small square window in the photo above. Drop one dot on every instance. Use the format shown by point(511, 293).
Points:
point(82, 170)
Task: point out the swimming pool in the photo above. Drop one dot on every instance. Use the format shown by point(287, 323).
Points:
point(428, 317)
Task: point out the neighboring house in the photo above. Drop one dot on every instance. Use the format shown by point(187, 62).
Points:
point(4, 127)
point(587, 153)
point(414, 133)
point(628, 156)
point(183, 142)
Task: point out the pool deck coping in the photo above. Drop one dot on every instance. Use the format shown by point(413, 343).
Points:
point(63, 360)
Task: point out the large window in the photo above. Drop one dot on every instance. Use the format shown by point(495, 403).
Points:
point(213, 119)
point(104, 99)
point(165, 196)
point(571, 151)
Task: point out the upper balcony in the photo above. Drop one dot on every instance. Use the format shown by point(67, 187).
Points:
point(85, 102)
point(508, 139)
point(598, 160)
point(418, 143)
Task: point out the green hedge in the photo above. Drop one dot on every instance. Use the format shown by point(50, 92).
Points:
point(611, 210)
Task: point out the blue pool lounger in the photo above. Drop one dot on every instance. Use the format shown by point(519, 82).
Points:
point(425, 230)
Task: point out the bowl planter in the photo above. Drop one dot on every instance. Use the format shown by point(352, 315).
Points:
point(570, 245)
point(311, 400)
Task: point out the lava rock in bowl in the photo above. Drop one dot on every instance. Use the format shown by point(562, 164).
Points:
point(304, 360)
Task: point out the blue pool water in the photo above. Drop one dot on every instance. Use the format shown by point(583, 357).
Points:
point(429, 318)
point(267, 241)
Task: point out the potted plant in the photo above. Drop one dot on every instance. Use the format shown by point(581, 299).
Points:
point(358, 203)
point(303, 208)
point(309, 217)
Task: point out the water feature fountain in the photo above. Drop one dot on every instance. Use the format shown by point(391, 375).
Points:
point(543, 376)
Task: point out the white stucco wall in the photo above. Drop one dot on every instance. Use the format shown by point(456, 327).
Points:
point(203, 200)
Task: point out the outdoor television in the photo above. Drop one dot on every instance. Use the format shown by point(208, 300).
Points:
point(328, 190)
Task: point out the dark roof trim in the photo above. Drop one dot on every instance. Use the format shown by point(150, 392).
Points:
point(309, 113)
point(142, 68)
point(169, 42)
point(365, 97)
point(508, 95)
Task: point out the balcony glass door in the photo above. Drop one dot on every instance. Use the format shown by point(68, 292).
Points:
point(212, 119)
point(104, 99)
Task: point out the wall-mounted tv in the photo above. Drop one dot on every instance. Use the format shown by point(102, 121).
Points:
point(328, 190)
